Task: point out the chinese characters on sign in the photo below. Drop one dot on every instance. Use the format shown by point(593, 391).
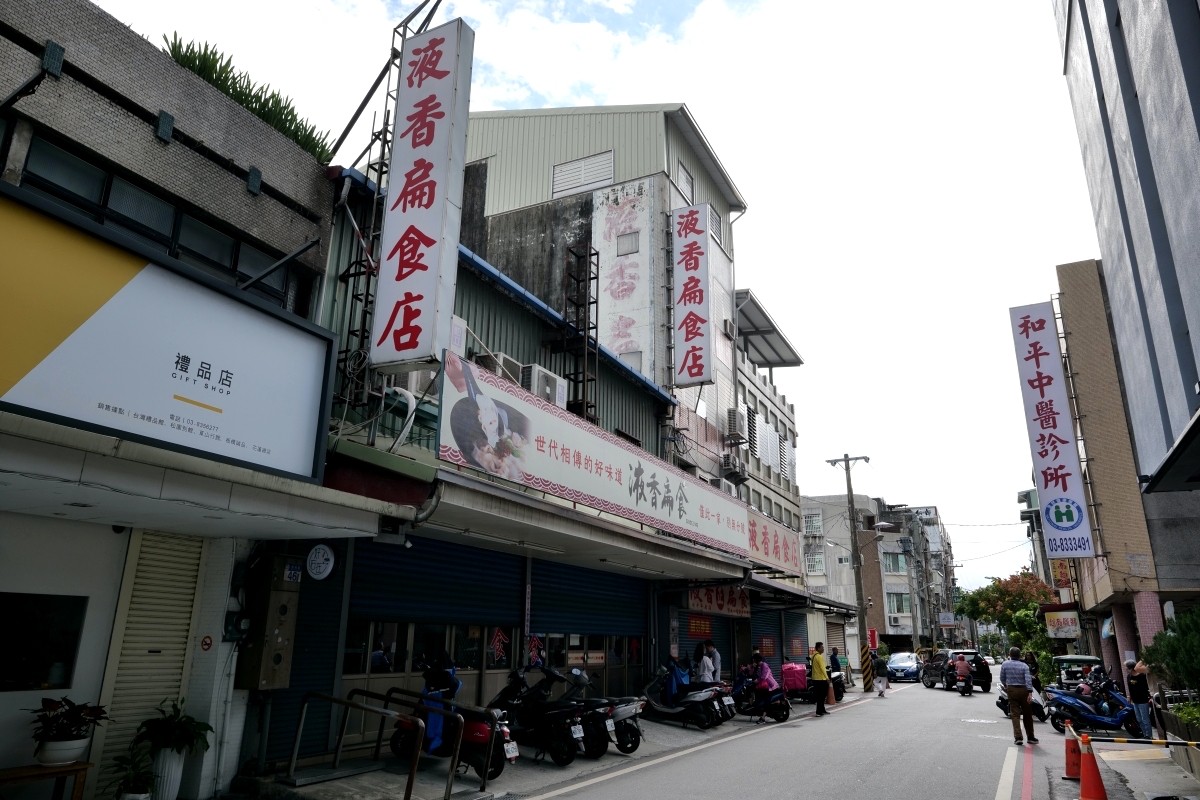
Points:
point(1067, 528)
point(418, 258)
point(728, 601)
point(692, 297)
point(1060, 569)
point(1062, 624)
point(773, 545)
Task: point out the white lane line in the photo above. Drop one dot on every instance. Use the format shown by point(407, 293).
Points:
point(1007, 774)
point(669, 756)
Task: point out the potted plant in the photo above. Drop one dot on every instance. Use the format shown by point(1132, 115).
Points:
point(171, 737)
point(64, 730)
point(134, 775)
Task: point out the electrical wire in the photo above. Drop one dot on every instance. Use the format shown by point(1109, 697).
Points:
point(1005, 550)
point(984, 524)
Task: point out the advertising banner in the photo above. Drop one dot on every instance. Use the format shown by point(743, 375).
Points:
point(1067, 528)
point(692, 296)
point(945, 619)
point(773, 545)
point(621, 231)
point(1062, 624)
point(94, 336)
point(1060, 569)
point(418, 258)
point(873, 638)
point(725, 601)
point(699, 627)
point(493, 425)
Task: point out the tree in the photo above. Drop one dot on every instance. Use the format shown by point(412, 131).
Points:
point(1175, 653)
point(1002, 598)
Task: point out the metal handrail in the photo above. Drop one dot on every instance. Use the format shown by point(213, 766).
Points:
point(460, 728)
point(348, 705)
point(491, 714)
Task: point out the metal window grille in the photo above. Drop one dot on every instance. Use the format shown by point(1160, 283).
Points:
point(583, 173)
point(627, 243)
point(686, 185)
point(714, 224)
point(812, 524)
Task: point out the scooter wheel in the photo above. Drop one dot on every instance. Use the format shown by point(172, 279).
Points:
point(838, 693)
point(628, 739)
point(782, 714)
point(703, 719)
point(594, 747)
point(1133, 728)
point(402, 743)
point(498, 760)
point(562, 753)
point(1057, 722)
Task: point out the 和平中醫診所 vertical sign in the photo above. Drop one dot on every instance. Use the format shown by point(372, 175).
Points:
point(418, 258)
point(1066, 524)
point(693, 327)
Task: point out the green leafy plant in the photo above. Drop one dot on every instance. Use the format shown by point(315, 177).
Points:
point(1174, 655)
point(1187, 712)
point(133, 771)
point(176, 731)
point(260, 100)
point(64, 721)
point(883, 650)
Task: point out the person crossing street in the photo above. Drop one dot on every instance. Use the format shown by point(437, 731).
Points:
point(1017, 682)
point(880, 668)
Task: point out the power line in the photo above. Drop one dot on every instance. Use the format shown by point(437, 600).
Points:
point(983, 524)
point(976, 558)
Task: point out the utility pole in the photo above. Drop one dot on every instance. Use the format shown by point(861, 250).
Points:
point(856, 555)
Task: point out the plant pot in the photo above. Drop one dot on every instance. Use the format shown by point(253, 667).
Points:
point(168, 771)
point(55, 754)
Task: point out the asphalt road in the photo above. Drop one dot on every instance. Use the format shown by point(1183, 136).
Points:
point(916, 743)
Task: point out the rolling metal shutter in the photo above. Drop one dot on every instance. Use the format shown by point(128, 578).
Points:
point(766, 624)
point(836, 633)
point(155, 642)
point(314, 657)
point(569, 599)
point(795, 626)
point(720, 635)
point(435, 581)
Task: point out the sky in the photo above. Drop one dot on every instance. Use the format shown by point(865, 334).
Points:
point(911, 171)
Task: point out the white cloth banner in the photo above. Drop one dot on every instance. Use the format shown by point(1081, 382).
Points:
point(1066, 524)
point(490, 424)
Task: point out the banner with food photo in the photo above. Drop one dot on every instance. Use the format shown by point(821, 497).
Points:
point(491, 424)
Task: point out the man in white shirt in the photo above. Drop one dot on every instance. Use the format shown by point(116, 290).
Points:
point(711, 650)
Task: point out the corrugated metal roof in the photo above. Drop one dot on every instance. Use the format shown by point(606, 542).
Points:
point(764, 343)
point(534, 140)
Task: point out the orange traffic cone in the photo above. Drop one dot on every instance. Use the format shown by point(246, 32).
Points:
point(1091, 787)
point(1072, 757)
point(830, 699)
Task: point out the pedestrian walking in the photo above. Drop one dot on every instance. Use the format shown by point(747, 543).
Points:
point(1139, 695)
point(820, 677)
point(704, 665)
point(879, 667)
point(1017, 682)
point(715, 656)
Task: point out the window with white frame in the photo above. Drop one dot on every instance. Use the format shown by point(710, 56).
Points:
point(686, 185)
point(899, 603)
point(895, 563)
point(812, 523)
point(814, 562)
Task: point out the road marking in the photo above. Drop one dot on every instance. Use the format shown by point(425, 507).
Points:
point(669, 756)
point(982, 721)
point(1027, 775)
point(1007, 773)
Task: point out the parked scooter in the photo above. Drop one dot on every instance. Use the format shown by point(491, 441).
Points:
point(751, 702)
point(535, 721)
point(1103, 709)
point(1037, 703)
point(605, 720)
point(441, 683)
point(670, 696)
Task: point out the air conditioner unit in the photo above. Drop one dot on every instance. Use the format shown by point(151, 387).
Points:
point(419, 382)
point(545, 384)
point(735, 426)
point(724, 486)
point(458, 336)
point(730, 329)
point(502, 364)
point(894, 621)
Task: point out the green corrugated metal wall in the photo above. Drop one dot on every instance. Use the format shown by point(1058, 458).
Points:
point(505, 327)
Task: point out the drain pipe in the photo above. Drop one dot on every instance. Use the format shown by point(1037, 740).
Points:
point(431, 505)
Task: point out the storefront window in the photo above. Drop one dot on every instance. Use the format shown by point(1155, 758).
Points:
point(500, 648)
point(42, 640)
point(616, 651)
point(556, 650)
point(429, 644)
point(576, 650)
point(635, 651)
point(354, 657)
point(468, 646)
point(387, 647)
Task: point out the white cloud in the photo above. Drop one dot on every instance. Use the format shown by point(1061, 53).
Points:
point(911, 171)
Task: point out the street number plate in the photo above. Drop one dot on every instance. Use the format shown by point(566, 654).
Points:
point(510, 750)
point(577, 731)
point(727, 700)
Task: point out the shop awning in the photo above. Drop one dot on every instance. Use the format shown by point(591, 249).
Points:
point(774, 593)
point(759, 336)
point(1180, 469)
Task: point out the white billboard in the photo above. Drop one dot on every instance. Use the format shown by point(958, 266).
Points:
point(692, 297)
point(1066, 524)
point(418, 260)
point(493, 425)
point(622, 233)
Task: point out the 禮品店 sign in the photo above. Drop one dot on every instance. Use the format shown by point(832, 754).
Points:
point(1050, 423)
point(493, 425)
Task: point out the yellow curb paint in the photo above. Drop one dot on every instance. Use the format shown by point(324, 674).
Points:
point(1131, 755)
point(53, 278)
point(197, 403)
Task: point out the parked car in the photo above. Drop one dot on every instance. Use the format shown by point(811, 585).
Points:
point(904, 667)
point(940, 669)
point(990, 661)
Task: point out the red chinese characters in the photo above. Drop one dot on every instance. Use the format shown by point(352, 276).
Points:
point(693, 343)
